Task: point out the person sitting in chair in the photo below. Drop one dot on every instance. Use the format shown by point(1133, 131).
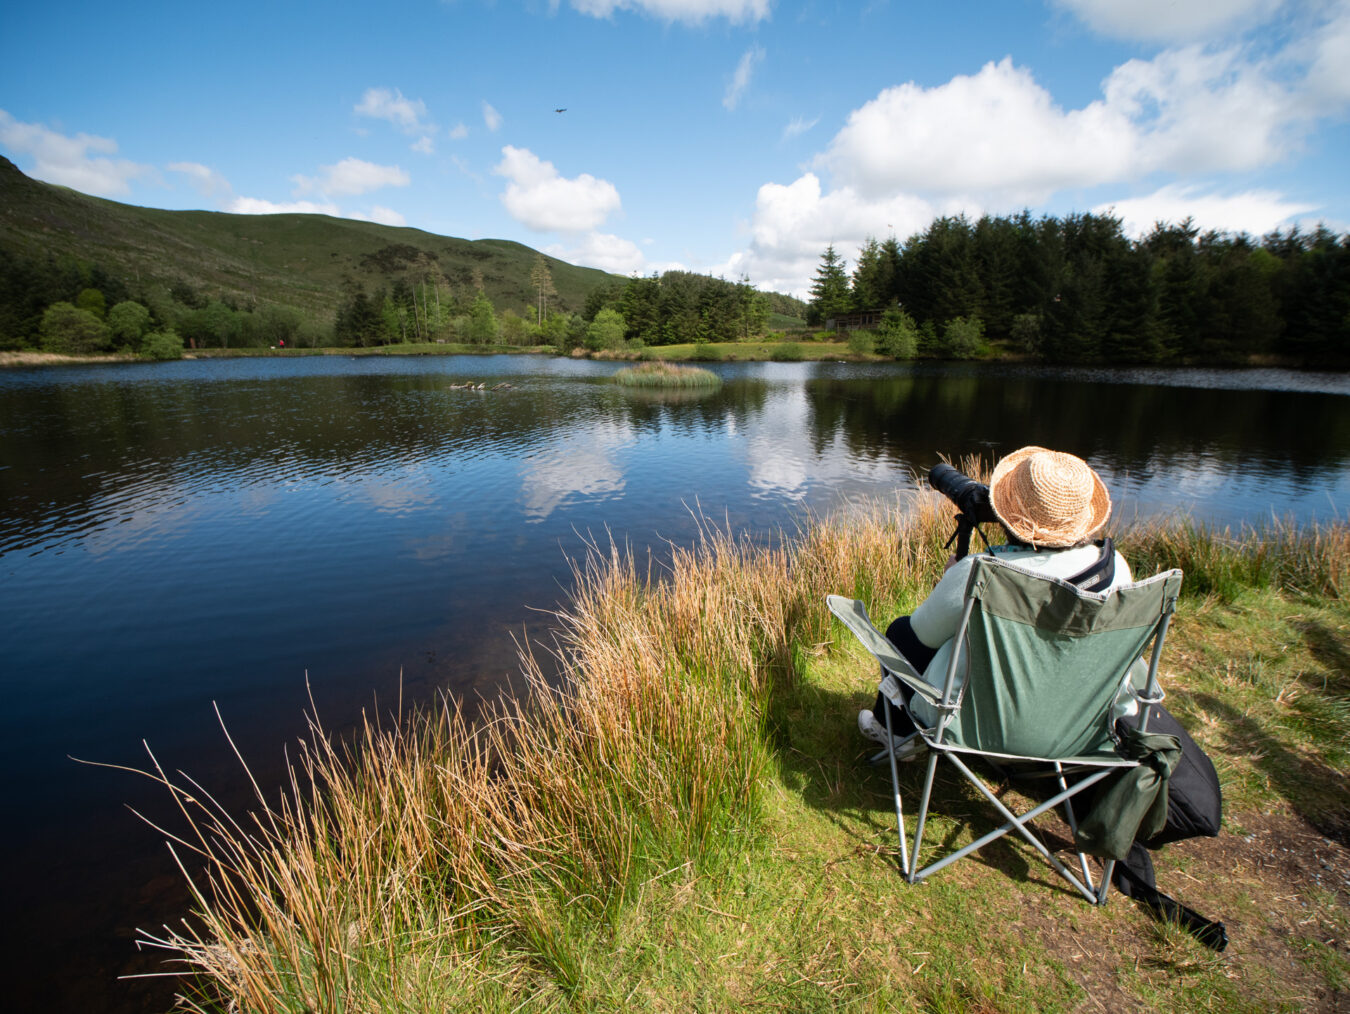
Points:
point(1051, 505)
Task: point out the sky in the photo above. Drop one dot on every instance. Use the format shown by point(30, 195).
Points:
point(731, 137)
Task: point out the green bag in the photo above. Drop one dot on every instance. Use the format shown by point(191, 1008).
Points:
point(1133, 802)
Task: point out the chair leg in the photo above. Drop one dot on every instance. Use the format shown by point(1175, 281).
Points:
point(1108, 868)
point(895, 789)
point(923, 815)
point(1013, 822)
point(1073, 825)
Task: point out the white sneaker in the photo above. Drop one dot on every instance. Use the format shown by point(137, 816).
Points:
point(904, 749)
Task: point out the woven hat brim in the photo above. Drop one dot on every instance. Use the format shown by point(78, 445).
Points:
point(1042, 533)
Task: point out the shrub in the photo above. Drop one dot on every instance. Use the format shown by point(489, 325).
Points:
point(788, 352)
point(861, 343)
point(68, 329)
point(162, 345)
point(898, 336)
point(963, 336)
point(1026, 331)
point(606, 331)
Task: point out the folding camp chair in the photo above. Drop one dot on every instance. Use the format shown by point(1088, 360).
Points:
point(1032, 675)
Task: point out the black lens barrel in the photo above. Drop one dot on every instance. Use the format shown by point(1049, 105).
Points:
point(970, 496)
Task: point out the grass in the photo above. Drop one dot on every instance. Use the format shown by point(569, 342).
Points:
point(685, 820)
point(757, 351)
point(396, 349)
point(659, 374)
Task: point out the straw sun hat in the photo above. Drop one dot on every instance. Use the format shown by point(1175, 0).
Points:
point(1048, 498)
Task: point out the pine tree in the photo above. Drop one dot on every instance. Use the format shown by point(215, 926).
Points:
point(542, 281)
point(829, 292)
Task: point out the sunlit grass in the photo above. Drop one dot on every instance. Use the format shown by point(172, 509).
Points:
point(655, 829)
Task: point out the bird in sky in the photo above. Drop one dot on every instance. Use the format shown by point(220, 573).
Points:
point(562, 110)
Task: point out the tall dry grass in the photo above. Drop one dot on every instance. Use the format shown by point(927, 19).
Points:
point(434, 864)
point(431, 853)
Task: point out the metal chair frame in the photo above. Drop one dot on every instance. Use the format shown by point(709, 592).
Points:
point(948, 701)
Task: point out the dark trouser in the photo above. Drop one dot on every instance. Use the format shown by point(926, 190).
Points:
point(901, 634)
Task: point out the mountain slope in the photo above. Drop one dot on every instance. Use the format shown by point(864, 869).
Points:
point(298, 260)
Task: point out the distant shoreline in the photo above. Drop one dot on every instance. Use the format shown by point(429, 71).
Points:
point(714, 352)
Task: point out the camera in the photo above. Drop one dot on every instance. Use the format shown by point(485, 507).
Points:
point(971, 498)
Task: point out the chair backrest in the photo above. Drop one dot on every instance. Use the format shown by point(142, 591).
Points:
point(1044, 660)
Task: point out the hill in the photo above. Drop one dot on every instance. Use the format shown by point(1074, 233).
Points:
point(295, 260)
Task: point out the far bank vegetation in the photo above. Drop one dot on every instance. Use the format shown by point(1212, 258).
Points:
point(83, 276)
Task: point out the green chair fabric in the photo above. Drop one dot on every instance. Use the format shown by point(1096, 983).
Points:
point(1033, 674)
point(1036, 647)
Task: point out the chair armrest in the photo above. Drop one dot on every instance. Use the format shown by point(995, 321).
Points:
point(853, 614)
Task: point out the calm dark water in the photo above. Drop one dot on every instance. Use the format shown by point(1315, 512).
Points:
point(174, 536)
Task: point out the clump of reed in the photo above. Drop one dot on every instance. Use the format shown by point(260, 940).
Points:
point(439, 864)
point(1312, 560)
point(663, 374)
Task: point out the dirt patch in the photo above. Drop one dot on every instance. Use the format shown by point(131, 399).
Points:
point(1280, 886)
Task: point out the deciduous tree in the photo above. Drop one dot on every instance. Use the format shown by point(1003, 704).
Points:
point(127, 323)
point(68, 329)
point(606, 331)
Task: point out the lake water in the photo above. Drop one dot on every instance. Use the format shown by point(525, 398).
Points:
point(180, 536)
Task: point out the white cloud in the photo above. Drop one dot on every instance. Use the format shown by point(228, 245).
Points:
point(351, 176)
point(997, 130)
point(458, 132)
point(409, 115)
point(997, 141)
point(541, 199)
point(740, 80)
point(1255, 212)
point(77, 162)
point(424, 145)
point(794, 223)
point(687, 11)
point(603, 251)
point(207, 181)
point(380, 214)
point(464, 167)
point(999, 136)
point(797, 126)
point(258, 206)
point(1168, 20)
point(1195, 111)
point(491, 118)
point(1328, 83)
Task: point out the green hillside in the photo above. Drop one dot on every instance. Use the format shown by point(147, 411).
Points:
point(296, 260)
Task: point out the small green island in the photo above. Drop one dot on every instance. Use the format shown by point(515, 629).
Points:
point(660, 374)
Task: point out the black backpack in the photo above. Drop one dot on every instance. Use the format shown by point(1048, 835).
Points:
point(1194, 810)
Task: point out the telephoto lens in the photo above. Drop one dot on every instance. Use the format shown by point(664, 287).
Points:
point(971, 497)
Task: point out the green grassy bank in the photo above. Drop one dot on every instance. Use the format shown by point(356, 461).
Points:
point(689, 821)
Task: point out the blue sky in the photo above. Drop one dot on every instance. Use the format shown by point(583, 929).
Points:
point(736, 137)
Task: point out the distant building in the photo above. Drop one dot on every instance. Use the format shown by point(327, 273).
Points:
point(866, 320)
